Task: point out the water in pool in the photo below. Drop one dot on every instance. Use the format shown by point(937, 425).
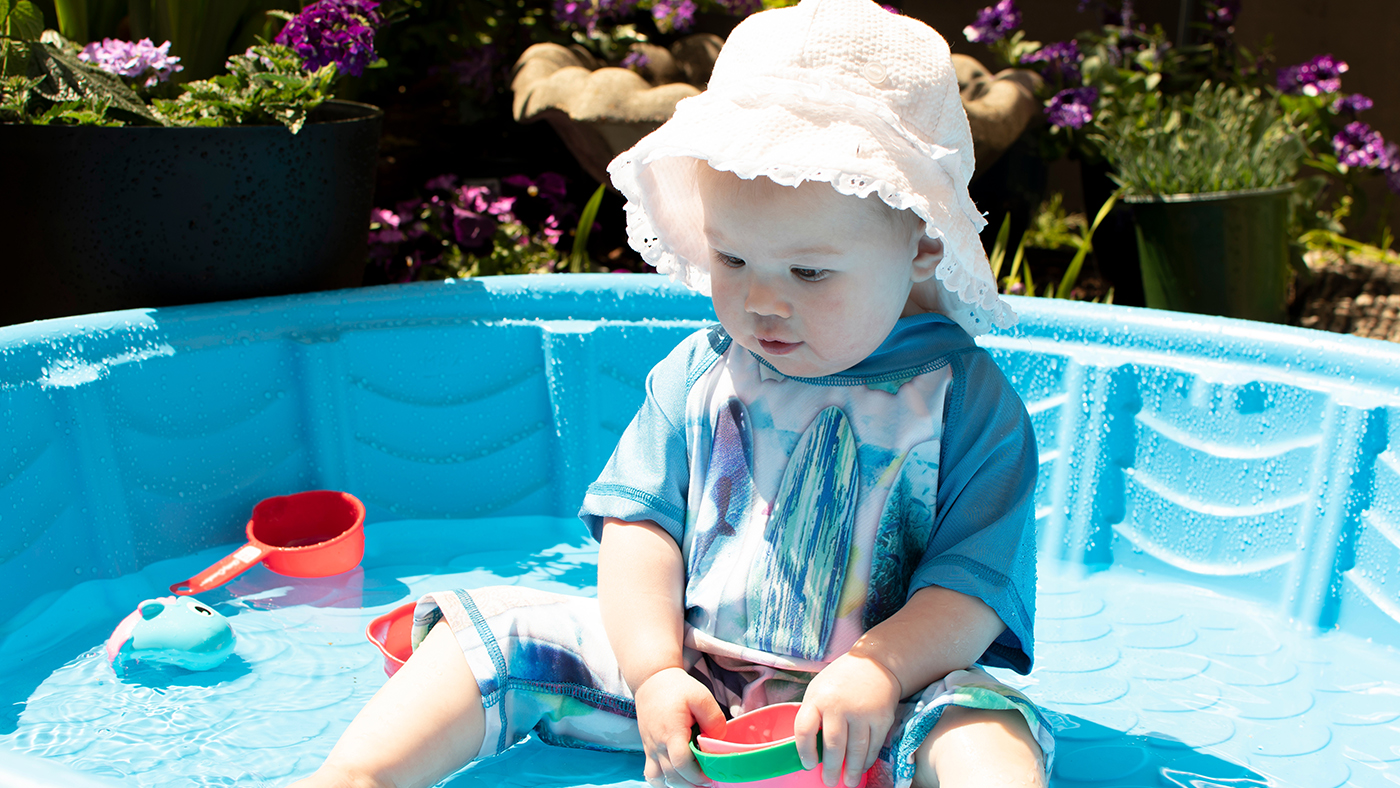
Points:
point(1151, 682)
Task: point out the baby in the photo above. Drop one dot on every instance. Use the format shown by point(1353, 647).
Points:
point(826, 498)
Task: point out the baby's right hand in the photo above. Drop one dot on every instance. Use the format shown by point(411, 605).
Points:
point(668, 703)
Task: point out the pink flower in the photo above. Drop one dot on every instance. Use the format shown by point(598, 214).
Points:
point(551, 230)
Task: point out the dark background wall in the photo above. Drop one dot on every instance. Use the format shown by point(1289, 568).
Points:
point(1364, 33)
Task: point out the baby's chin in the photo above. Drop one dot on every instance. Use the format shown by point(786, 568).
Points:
point(802, 363)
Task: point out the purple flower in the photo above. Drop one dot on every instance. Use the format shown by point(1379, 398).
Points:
point(1072, 108)
point(387, 230)
point(1358, 145)
point(334, 31)
point(471, 228)
point(1352, 104)
point(1222, 13)
point(476, 71)
point(574, 12)
point(481, 199)
point(616, 9)
point(743, 8)
point(676, 15)
point(994, 23)
point(1319, 76)
point(635, 61)
point(1392, 167)
point(550, 185)
point(132, 60)
point(442, 183)
point(1061, 60)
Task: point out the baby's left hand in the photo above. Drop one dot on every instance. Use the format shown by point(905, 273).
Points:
point(852, 703)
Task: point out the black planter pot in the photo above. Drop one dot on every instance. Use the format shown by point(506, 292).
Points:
point(96, 219)
point(1224, 253)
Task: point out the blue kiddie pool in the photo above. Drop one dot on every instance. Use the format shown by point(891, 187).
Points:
point(1218, 515)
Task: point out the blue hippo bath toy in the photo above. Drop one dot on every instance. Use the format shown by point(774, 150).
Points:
point(174, 631)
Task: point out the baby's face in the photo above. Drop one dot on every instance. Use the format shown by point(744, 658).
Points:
point(809, 279)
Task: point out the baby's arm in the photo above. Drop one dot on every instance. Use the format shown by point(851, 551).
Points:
point(641, 589)
point(852, 701)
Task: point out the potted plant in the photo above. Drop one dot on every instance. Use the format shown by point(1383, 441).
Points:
point(1151, 119)
point(136, 191)
point(1208, 178)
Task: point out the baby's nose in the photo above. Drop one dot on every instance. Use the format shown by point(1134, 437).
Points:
point(767, 301)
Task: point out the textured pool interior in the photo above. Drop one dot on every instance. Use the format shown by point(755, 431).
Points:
point(1218, 513)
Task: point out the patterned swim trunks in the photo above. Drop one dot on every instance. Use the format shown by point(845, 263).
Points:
point(544, 666)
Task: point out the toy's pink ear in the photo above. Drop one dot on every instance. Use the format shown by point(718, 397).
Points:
point(121, 634)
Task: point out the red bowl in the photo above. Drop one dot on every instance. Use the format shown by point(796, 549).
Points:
point(391, 633)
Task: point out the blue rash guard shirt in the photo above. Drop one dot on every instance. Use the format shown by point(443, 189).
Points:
point(808, 510)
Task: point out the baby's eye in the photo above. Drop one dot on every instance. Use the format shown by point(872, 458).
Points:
point(729, 260)
point(810, 274)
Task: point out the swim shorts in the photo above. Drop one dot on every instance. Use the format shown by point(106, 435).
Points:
point(544, 666)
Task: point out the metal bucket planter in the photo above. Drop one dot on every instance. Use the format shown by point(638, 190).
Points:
point(96, 219)
point(1221, 253)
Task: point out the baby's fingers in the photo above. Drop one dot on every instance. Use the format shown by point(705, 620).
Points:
point(806, 726)
point(857, 750)
point(834, 733)
point(680, 766)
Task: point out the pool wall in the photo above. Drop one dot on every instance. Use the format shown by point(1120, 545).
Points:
point(1258, 460)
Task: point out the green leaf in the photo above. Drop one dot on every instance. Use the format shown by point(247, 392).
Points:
point(579, 256)
point(25, 21)
point(999, 247)
point(1072, 273)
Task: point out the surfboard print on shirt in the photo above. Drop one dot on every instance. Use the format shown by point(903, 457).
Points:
point(794, 585)
point(728, 486)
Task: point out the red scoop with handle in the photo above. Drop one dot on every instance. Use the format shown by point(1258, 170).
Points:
point(307, 534)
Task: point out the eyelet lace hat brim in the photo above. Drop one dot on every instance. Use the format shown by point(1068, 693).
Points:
point(836, 91)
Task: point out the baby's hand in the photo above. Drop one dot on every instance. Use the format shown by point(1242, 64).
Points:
point(668, 703)
point(851, 702)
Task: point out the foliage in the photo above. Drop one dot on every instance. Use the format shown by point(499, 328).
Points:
point(1122, 79)
point(579, 256)
point(480, 228)
point(464, 50)
point(1222, 138)
point(51, 85)
point(267, 85)
point(117, 83)
point(1330, 240)
point(202, 33)
point(1051, 228)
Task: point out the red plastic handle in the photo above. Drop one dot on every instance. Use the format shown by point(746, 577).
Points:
point(234, 565)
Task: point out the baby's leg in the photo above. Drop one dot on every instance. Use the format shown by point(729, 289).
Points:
point(979, 748)
point(496, 665)
point(967, 731)
point(423, 724)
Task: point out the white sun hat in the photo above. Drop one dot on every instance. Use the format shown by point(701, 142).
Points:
point(839, 91)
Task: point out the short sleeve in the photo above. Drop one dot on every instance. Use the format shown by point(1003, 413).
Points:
point(983, 540)
point(648, 475)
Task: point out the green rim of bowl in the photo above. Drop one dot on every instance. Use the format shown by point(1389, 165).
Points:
point(751, 765)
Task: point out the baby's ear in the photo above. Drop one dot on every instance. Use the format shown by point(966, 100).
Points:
point(927, 257)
